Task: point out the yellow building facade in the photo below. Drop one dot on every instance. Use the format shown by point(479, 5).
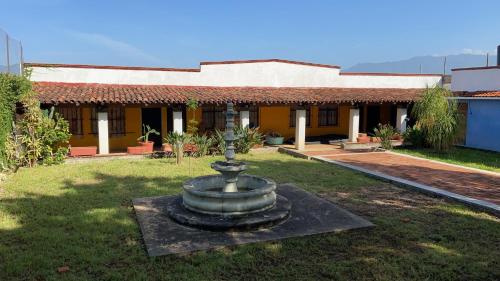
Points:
point(271, 118)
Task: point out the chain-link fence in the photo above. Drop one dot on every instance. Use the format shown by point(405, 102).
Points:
point(11, 54)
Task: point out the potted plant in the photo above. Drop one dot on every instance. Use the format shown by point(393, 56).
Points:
point(146, 131)
point(274, 138)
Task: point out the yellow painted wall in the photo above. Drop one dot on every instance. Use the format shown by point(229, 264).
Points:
point(271, 118)
point(87, 139)
point(277, 118)
point(116, 143)
point(133, 130)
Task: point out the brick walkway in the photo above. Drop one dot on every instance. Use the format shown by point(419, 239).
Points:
point(467, 182)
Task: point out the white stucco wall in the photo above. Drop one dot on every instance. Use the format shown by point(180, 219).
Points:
point(407, 82)
point(487, 79)
point(257, 74)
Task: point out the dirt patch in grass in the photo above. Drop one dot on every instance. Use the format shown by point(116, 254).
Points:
point(381, 198)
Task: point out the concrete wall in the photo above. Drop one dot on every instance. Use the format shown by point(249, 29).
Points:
point(258, 74)
point(480, 79)
point(483, 124)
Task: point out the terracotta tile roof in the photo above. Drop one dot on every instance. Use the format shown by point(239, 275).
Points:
point(79, 93)
point(478, 94)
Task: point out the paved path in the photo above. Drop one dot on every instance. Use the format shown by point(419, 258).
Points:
point(472, 183)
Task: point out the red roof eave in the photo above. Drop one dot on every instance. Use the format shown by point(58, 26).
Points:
point(80, 93)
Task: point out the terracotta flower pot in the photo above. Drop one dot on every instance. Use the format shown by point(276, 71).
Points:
point(148, 146)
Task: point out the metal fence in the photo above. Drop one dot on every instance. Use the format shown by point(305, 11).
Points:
point(11, 54)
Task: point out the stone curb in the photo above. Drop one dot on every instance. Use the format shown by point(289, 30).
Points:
point(475, 203)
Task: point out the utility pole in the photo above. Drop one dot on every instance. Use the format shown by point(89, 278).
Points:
point(444, 66)
point(21, 59)
point(7, 51)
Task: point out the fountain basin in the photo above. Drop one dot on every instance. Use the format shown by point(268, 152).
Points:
point(205, 195)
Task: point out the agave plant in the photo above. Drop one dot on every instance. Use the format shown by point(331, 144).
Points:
point(247, 138)
point(203, 144)
point(219, 143)
point(177, 141)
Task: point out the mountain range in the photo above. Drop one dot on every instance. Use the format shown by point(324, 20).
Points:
point(425, 64)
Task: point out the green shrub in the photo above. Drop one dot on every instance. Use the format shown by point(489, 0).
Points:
point(203, 144)
point(437, 117)
point(39, 136)
point(11, 89)
point(414, 136)
point(219, 144)
point(247, 138)
point(385, 133)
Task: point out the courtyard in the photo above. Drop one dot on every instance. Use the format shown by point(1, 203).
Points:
point(76, 222)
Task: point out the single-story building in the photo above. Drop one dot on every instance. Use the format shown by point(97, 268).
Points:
point(478, 92)
point(106, 106)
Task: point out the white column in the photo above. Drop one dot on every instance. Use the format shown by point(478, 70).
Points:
point(245, 118)
point(401, 114)
point(177, 115)
point(300, 129)
point(102, 129)
point(353, 124)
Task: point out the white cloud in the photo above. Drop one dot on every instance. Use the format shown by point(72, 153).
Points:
point(119, 47)
point(468, 51)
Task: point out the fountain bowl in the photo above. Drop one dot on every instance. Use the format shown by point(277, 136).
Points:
point(205, 195)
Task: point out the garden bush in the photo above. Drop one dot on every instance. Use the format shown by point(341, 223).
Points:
point(386, 133)
point(39, 136)
point(11, 89)
point(414, 136)
point(247, 138)
point(437, 117)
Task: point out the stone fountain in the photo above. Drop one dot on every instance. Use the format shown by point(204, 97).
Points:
point(231, 200)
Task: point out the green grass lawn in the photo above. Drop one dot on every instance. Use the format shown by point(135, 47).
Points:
point(80, 216)
point(480, 159)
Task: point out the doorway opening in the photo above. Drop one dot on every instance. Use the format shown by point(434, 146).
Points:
point(152, 118)
point(372, 118)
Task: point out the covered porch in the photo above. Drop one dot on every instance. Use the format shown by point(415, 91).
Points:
point(110, 117)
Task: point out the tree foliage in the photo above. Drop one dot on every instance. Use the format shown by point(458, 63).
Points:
point(437, 117)
point(11, 89)
point(40, 136)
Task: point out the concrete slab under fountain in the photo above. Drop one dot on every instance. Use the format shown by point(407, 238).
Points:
point(309, 215)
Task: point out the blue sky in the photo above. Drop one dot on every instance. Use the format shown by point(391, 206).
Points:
point(183, 33)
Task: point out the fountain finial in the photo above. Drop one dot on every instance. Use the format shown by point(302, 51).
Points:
point(229, 136)
point(230, 169)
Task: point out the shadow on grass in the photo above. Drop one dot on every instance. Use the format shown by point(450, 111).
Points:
point(89, 225)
